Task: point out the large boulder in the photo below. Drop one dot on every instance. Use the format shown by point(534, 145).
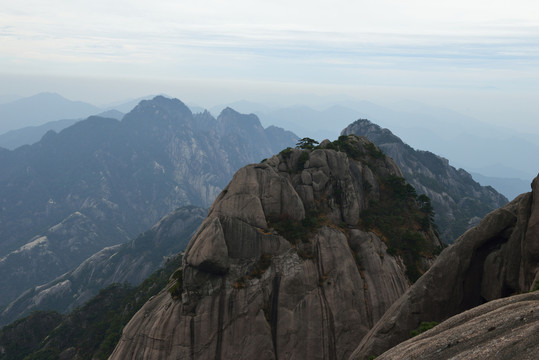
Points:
point(503, 329)
point(497, 258)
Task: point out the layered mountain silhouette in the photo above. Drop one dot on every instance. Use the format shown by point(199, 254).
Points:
point(41, 108)
point(32, 134)
point(459, 201)
point(102, 181)
point(318, 252)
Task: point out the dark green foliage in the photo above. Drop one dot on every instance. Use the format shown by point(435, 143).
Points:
point(306, 143)
point(367, 186)
point(303, 158)
point(95, 328)
point(535, 286)
point(45, 354)
point(285, 153)
point(294, 230)
point(177, 288)
point(398, 216)
point(19, 338)
point(424, 326)
point(374, 151)
point(344, 144)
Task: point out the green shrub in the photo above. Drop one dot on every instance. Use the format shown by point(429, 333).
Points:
point(306, 143)
point(175, 290)
point(285, 153)
point(374, 151)
point(397, 216)
point(424, 326)
point(303, 158)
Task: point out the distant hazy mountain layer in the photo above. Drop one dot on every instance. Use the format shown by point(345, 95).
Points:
point(102, 181)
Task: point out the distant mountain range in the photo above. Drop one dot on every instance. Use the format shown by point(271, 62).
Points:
point(450, 134)
point(41, 108)
point(131, 263)
point(421, 126)
point(102, 181)
point(510, 187)
point(32, 134)
point(318, 241)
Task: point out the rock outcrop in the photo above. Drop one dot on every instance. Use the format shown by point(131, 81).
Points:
point(503, 329)
point(284, 265)
point(495, 259)
point(459, 201)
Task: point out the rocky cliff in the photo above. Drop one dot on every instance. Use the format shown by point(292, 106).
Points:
point(102, 181)
point(296, 259)
point(503, 329)
point(495, 259)
point(459, 201)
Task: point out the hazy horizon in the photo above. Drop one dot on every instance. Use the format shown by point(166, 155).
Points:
point(478, 58)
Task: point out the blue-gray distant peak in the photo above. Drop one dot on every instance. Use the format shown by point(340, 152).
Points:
point(230, 117)
point(159, 107)
point(40, 109)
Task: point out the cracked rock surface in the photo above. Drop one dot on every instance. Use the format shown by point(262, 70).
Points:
point(280, 268)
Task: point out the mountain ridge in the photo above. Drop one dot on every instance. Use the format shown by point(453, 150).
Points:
point(459, 202)
point(122, 175)
point(127, 263)
point(41, 108)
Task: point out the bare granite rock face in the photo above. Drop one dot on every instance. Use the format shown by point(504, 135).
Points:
point(496, 259)
point(281, 267)
point(503, 329)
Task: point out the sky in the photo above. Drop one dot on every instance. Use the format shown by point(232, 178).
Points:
point(476, 57)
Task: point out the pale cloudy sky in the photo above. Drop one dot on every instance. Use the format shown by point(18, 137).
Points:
point(475, 56)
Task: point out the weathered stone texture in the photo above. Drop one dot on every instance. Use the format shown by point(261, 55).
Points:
point(495, 259)
point(314, 298)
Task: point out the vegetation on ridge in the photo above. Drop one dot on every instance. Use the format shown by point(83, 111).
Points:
point(401, 218)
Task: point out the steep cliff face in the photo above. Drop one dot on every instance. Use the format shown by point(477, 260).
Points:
point(459, 201)
point(495, 259)
point(283, 266)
